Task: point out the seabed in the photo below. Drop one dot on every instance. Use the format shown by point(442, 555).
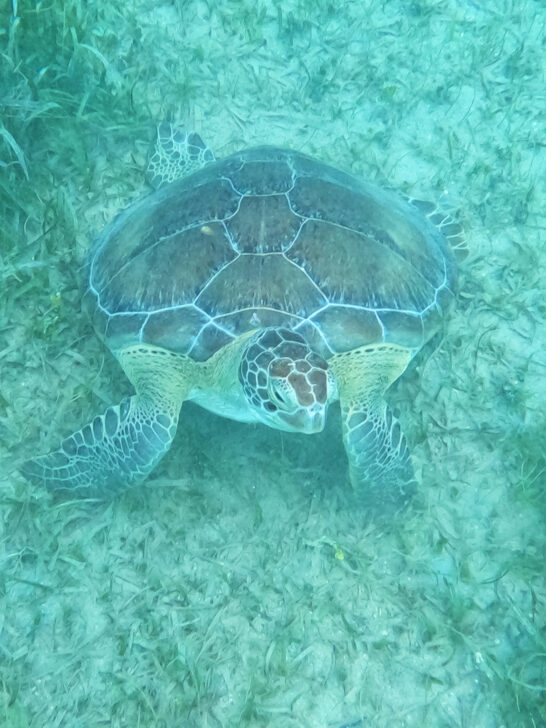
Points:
point(241, 587)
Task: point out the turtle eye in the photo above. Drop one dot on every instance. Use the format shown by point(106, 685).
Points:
point(282, 396)
point(277, 393)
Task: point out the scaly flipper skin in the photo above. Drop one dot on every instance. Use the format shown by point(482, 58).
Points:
point(119, 448)
point(175, 153)
point(379, 460)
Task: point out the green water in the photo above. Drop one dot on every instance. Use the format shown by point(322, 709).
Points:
point(242, 585)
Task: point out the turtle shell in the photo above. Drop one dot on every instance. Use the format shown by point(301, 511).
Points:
point(269, 237)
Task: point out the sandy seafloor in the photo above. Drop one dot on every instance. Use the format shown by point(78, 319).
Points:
point(240, 587)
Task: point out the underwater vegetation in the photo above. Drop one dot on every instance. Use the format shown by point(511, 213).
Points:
point(242, 586)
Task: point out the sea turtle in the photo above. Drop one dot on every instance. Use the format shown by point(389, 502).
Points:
point(263, 287)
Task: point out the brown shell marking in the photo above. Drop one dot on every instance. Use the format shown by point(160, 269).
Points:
point(269, 237)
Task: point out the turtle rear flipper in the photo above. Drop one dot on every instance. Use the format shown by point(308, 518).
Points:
point(119, 448)
point(175, 153)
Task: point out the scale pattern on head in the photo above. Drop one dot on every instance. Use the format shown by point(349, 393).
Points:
point(285, 380)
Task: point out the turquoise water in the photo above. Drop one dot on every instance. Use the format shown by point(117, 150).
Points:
point(242, 586)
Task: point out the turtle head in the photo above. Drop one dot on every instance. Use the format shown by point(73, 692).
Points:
point(285, 381)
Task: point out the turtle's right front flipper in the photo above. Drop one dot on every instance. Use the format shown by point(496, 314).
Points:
point(119, 448)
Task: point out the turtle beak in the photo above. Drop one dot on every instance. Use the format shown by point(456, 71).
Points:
point(306, 420)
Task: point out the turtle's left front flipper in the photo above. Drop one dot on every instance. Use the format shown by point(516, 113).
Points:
point(119, 448)
point(379, 460)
